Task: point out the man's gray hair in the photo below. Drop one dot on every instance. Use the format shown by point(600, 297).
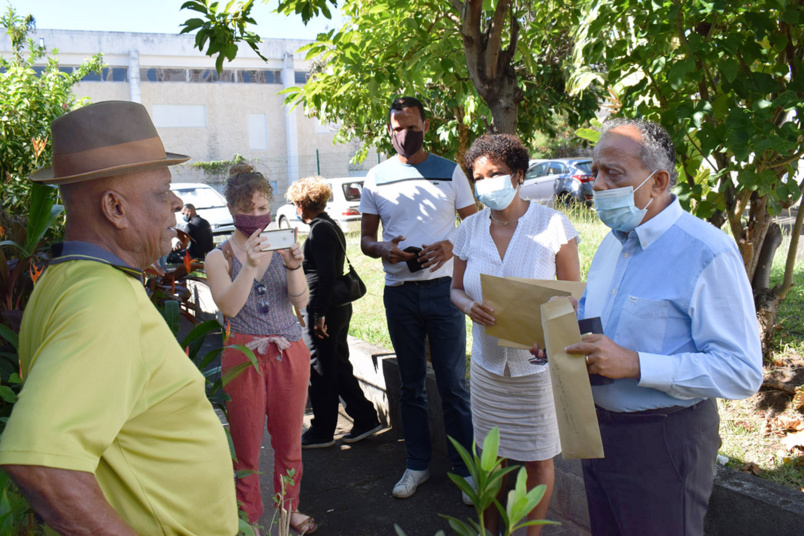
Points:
point(658, 150)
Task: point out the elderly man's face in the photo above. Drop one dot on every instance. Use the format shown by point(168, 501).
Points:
point(616, 163)
point(151, 209)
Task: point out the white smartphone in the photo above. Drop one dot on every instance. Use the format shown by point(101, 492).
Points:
point(278, 239)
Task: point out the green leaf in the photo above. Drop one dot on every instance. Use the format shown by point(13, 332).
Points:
point(488, 458)
point(171, 313)
point(678, 73)
point(249, 353)
point(233, 373)
point(7, 394)
point(43, 214)
point(10, 336)
point(588, 134)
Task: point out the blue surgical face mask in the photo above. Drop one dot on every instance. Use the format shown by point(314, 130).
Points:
point(187, 218)
point(616, 207)
point(496, 193)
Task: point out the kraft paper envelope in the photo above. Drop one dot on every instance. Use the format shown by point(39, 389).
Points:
point(578, 428)
point(575, 289)
point(516, 304)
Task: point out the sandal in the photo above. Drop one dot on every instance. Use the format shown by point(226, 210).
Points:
point(307, 526)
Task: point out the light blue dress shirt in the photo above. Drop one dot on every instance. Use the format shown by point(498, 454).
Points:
point(675, 290)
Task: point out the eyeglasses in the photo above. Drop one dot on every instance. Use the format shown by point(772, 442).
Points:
point(263, 306)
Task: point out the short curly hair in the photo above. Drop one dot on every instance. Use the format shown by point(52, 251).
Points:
point(657, 150)
point(243, 181)
point(310, 193)
point(499, 148)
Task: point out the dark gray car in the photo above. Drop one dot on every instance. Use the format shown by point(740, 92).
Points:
point(574, 182)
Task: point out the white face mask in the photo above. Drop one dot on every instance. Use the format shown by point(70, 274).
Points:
point(616, 207)
point(496, 193)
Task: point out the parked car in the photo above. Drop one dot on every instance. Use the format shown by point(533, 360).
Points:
point(565, 179)
point(342, 206)
point(538, 185)
point(575, 180)
point(210, 205)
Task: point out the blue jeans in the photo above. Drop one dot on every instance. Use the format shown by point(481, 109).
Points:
point(416, 312)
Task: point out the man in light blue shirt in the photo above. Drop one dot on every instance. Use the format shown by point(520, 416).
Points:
point(679, 329)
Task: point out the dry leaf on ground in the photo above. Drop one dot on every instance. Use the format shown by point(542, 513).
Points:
point(751, 467)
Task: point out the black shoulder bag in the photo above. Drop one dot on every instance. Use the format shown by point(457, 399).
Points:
point(348, 287)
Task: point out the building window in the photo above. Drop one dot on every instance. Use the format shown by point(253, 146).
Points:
point(179, 115)
point(156, 74)
point(301, 76)
point(260, 77)
point(202, 76)
point(108, 74)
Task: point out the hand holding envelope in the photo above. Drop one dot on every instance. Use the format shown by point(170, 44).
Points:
point(524, 315)
point(517, 306)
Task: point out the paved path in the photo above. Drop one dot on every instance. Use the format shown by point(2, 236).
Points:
point(347, 488)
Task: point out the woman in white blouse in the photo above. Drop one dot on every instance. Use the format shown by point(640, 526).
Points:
point(511, 237)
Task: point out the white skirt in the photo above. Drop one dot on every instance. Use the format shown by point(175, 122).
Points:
point(521, 407)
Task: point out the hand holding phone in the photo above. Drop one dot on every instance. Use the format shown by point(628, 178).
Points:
point(278, 239)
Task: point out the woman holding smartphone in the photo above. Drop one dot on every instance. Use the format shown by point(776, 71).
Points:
point(256, 289)
point(511, 237)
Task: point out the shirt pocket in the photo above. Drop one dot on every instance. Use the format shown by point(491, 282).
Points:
point(643, 324)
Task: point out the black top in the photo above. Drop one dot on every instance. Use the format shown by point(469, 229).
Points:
point(323, 262)
point(200, 231)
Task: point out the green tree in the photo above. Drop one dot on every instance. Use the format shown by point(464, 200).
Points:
point(725, 78)
point(29, 102)
point(478, 66)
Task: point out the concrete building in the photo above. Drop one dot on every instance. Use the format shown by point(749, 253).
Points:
point(209, 116)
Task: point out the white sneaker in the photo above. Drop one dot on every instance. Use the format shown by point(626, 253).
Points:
point(466, 500)
point(409, 482)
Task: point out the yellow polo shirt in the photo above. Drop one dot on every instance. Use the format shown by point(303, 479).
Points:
point(108, 390)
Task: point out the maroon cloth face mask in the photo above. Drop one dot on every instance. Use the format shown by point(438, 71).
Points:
point(248, 224)
point(407, 142)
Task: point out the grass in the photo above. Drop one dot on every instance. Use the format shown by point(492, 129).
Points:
point(751, 433)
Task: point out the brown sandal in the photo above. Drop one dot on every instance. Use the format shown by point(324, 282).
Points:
point(308, 526)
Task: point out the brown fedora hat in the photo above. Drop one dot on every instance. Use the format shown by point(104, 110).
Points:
point(104, 139)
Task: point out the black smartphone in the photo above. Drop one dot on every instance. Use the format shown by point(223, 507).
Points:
point(413, 264)
point(594, 325)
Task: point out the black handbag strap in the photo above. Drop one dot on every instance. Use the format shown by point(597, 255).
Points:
point(343, 244)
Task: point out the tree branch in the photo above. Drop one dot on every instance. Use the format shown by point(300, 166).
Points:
point(493, 43)
point(508, 54)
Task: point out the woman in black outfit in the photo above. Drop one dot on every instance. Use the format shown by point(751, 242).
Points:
point(332, 377)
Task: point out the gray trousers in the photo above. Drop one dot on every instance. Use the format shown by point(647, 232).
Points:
point(657, 475)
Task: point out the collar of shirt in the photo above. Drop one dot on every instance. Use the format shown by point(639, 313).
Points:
point(75, 250)
point(651, 230)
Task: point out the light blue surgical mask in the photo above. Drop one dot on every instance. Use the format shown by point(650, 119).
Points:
point(496, 193)
point(616, 207)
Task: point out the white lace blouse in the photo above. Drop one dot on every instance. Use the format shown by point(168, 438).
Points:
point(539, 235)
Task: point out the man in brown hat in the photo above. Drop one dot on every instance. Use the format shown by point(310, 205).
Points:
point(112, 432)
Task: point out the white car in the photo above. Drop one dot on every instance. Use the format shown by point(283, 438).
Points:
point(538, 184)
point(341, 207)
point(209, 204)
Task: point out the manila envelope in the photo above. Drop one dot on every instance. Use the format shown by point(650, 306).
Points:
point(578, 428)
point(516, 303)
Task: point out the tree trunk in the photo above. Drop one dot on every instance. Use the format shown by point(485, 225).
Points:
point(766, 299)
point(490, 66)
point(505, 107)
point(762, 272)
point(767, 304)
